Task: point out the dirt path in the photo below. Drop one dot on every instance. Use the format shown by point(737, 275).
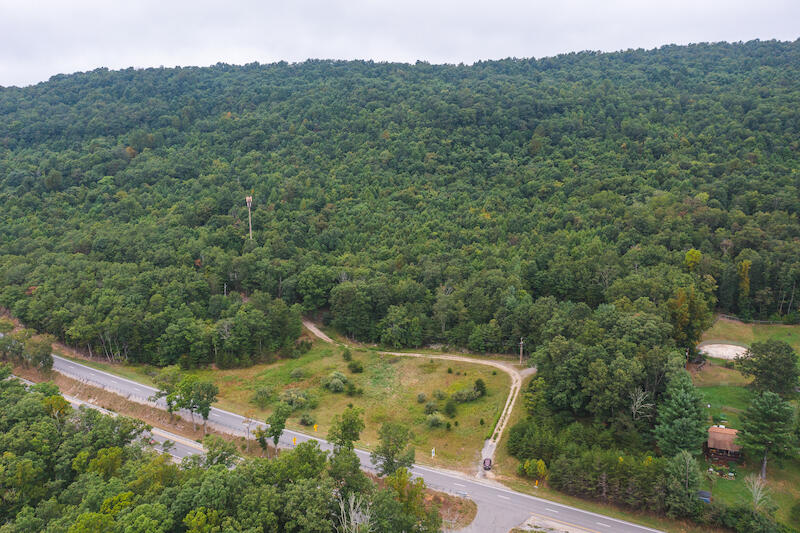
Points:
point(516, 382)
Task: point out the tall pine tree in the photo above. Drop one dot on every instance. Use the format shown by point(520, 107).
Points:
point(767, 429)
point(681, 423)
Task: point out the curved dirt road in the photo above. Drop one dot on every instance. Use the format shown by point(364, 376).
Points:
point(515, 375)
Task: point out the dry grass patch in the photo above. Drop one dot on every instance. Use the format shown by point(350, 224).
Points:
point(714, 375)
point(733, 331)
point(457, 513)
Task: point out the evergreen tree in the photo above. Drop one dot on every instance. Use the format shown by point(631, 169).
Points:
point(767, 428)
point(683, 480)
point(681, 421)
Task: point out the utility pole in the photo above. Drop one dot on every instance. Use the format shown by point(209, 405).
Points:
point(521, 344)
point(248, 421)
point(249, 200)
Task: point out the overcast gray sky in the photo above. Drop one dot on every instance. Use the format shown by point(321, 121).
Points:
point(40, 38)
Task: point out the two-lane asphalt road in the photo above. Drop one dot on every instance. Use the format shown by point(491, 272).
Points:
point(499, 509)
point(181, 447)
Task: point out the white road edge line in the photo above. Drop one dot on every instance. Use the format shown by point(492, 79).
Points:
point(418, 467)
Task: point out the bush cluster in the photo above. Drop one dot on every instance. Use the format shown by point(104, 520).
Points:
point(298, 399)
point(335, 382)
point(436, 420)
point(262, 395)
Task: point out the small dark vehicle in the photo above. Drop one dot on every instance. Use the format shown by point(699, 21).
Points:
point(487, 464)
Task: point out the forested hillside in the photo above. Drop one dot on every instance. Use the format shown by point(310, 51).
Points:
point(406, 203)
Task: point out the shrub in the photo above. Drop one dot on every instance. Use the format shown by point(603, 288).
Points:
point(450, 408)
point(297, 373)
point(494, 372)
point(794, 514)
point(435, 420)
point(352, 390)
point(355, 367)
point(431, 407)
point(302, 346)
point(455, 422)
point(307, 419)
point(421, 397)
point(465, 395)
point(533, 468)
point(448, 426)
point(335, 385)
point(288, 352)
point(262, 396)
point(480, 387)
point(297, 399)
point(449, 370)
point(335, 382)
point(482, 422)
point(347, 355)
point(439, 395)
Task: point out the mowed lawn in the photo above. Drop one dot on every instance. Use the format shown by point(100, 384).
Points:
point(735, 332)
point(390, 386)
point(727, 392)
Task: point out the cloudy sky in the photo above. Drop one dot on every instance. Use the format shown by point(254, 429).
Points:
point(40, 38)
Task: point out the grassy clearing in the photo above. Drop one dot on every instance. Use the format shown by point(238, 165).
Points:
point(725, 389)
point(727, 404)
point(735, 332)
point(390, 387)
point(783, 482)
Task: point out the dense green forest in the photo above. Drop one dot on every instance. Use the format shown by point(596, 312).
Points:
point(404, 203)
point(68, 471)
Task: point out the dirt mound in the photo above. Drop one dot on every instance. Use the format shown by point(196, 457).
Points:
point(722, 351)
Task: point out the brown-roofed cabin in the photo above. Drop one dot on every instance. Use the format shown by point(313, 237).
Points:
point(720, 445)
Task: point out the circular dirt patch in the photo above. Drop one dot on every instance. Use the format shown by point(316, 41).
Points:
point(722, 351)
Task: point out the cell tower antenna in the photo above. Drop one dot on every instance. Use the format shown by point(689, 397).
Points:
point(249, 200)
